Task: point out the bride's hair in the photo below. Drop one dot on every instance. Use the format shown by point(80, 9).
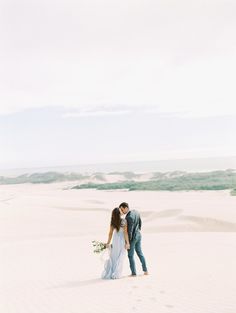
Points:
point(115, 219)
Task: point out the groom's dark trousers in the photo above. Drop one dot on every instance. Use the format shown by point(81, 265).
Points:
point(134, 224)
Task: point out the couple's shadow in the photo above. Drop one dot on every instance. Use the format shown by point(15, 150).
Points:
point(83, 283)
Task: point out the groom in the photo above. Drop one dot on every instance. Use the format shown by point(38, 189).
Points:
point(134, 224)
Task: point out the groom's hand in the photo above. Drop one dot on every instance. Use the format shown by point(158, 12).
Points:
point(127, 246)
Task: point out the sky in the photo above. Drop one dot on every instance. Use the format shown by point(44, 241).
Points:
point(116, 81)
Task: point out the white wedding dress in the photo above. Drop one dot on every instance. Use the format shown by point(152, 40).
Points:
point(114, 264)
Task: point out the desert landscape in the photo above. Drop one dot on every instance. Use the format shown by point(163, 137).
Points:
point(104, 102)
point(47, 264)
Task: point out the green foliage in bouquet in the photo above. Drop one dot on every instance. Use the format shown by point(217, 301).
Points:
point(98, 246)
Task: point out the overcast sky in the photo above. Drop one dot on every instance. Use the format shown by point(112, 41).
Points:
point(104, 81)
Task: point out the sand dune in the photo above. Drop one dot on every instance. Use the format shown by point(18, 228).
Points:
point(47, 264)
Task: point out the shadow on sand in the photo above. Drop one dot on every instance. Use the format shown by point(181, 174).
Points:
point(83, 283)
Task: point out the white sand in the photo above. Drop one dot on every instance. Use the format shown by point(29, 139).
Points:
point(47, 264)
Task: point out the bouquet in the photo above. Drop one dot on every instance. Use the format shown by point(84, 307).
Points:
point(98, 246)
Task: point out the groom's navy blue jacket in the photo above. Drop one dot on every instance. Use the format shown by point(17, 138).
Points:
point(134, 224)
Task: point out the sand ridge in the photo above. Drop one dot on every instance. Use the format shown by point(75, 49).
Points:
point(47, 264)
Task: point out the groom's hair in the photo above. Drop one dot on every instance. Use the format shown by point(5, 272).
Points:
point(124, 205)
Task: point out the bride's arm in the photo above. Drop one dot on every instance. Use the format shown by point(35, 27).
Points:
point(110, 235)
point(127, 245)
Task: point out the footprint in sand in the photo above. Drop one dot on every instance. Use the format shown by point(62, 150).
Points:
point(153, 299)
point(149, 287)
point(169, 306)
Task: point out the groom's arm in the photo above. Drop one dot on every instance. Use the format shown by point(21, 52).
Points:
point(130, 224)
point(140, 223)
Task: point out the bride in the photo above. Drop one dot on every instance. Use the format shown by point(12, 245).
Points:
point(117, 251)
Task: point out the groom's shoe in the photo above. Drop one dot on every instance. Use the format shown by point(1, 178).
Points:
point(145, 273)
point(132, 275)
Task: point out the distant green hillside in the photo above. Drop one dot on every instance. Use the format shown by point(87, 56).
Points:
point(41, 178)
point(127, 175)
point(233, 192)
point(217, 180)
point(176, 180)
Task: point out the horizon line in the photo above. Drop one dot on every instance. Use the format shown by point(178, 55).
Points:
point(113, 163)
